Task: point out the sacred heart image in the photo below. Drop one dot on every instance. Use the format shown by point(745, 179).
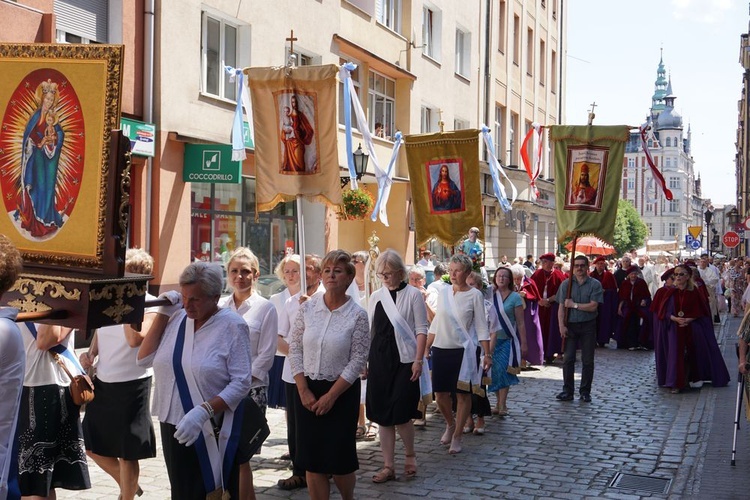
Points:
point(446, 185)
point(298, 138)
point(42, 145)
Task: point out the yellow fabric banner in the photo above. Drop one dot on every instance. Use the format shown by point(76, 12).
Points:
point(588, 173)
point(444, 175)
point(294, 115)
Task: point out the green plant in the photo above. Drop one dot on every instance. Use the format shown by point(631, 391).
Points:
point(357, 204)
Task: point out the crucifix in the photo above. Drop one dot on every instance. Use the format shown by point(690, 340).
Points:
point(291, 41)
point(591, 113)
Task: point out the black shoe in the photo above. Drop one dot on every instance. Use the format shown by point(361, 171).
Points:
point(564, 396)
point(586, 398)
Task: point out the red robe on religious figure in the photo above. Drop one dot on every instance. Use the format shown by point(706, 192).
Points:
point(547, 282)
point(635, 325)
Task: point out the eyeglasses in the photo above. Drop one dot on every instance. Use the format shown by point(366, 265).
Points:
point(679, 274)
point(384, 276)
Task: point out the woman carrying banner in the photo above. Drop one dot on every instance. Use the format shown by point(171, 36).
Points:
point(398, 329)
point(685, 322)
point(455, 334)
point(510, 346)
point(201, 360)
point(328, 350)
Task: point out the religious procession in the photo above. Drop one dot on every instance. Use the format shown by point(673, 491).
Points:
point(294, 313)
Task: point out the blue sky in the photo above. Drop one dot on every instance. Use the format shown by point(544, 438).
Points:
point(612, 56)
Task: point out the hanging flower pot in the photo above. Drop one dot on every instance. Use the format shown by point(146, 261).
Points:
point(357, 204)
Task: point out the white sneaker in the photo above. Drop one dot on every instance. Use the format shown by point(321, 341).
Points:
point(696, 385)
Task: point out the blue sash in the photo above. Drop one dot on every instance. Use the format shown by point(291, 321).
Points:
point(234, 419)
point(515, 355)
point(59, 348)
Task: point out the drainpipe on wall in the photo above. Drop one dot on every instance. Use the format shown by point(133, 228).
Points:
point(148, 102)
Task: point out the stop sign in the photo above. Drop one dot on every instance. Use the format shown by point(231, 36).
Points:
point(731, 239)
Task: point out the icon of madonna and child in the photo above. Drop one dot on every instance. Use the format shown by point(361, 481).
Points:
point(445, 178)
point(43, 130)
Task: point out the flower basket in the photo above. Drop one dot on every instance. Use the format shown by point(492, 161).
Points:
point(357, 204)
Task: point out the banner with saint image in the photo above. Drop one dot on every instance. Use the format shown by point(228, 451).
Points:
point(588, 171)
point(444, 174)
point(294, 115)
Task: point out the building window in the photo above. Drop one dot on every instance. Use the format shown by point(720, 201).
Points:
point(516, 40)
point(428, 120)
point(674, 206)
point(502, 26)
point(542, 62)
point(355, 81)
point(554, 9)
point(674, 183)
point(671, 229)
point(431, 32)
point(649, 226)
point(553, 72)
point(530, 52)
point(499, 134)
point(381, 102)
point(512, 159)
point(219, 48)
point(631, 183)
point(463, 52)
point(631, 162)
point(82, 21)
point(459, 124)
point(389, 14)
point(669, 141)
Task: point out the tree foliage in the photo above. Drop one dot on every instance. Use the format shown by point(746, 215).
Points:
point(630, 230)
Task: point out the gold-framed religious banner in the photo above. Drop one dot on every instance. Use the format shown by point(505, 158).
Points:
point(59, 105)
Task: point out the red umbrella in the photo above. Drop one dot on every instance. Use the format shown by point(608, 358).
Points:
point(591, 245)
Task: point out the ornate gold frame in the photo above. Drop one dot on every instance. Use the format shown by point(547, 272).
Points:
point(108, 186)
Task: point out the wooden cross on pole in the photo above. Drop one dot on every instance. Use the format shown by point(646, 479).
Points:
point(291, 41)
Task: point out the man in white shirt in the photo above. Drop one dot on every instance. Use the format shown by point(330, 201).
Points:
point(711, 278)
point(425, 260)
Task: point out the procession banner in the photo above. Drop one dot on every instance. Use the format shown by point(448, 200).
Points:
point(588, 172)
point(444, 174)
point(294, 115)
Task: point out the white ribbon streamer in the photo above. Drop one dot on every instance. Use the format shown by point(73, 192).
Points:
point(495, 167)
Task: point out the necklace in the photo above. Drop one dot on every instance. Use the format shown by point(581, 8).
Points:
point(680, 298)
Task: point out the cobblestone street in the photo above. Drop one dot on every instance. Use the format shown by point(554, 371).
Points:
point(547, 448)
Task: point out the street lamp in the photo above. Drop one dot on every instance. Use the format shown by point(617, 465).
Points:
point(708, 215)
point(360, 165)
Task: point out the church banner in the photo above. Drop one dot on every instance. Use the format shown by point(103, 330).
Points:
point(588, 172)
point(294, 115)
point(444, 174)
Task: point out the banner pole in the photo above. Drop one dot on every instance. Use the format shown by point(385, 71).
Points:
point(301, 238)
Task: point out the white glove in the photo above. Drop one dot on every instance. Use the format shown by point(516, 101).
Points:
point(191, 425)
point(175, 298)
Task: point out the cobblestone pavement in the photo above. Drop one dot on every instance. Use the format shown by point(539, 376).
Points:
point(547, 448)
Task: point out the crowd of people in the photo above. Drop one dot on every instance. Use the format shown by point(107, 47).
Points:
point(332, 355)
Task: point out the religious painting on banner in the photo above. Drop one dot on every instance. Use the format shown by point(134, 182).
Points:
point(588, 166)
point(296, 153)
point(444, 174)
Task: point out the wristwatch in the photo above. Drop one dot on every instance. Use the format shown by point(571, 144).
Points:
point(575, 305)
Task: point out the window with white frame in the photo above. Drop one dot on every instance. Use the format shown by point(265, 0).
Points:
point(355, 81)
point(219, 48)
point(674, 206)
point(553, 72)
point(542, 63)
point(463, 52)
point(669, 142)
point(499, 134)
point(381, 103)
point(432, 21)
point(514, 133)
point(529, 51)
point(671, 229)
point(674, 183)
point(389, 14)
point(427, 118)
point(82, 21)
point(460, 124)
point(502, 28)
point(367, 6)
point(516, 40)
point(631, 183)
point(631, 162)
point(667, 160)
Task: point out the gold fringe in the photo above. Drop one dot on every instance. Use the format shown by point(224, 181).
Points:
point(426, 399)
point(486, 380)
point(464, 386)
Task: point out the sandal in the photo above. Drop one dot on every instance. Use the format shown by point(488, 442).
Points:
point(448, 434)
point(292, 483)
point(361, 432)
point(455, 446)
point(386, 474)
point(410, 469)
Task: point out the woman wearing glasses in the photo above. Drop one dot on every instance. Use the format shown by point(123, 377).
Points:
point(685, 323)
point(398, 332)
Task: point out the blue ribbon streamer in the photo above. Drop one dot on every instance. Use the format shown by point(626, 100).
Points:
point(494, 166)
point(238, 143)
point(348, 119)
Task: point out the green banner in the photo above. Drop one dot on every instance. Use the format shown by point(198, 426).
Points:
point(211, 163)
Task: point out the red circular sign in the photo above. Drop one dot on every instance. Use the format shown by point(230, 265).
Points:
point(731, 239)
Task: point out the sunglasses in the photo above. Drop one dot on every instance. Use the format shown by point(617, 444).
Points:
point(679, 274)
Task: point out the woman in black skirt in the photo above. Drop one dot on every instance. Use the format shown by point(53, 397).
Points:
point(327, 353)
point(398, 318)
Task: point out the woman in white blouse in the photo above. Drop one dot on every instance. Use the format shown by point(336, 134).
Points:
point(459, 327)
point(398, 318)
point(328, 351)
point(202, 372)
point(258, 313)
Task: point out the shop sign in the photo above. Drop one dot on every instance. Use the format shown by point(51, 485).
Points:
point(211, 163)
point(246, 138)
point(142, 136)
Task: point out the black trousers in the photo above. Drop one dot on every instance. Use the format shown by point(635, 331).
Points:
point(585, 334)
point(291, 428)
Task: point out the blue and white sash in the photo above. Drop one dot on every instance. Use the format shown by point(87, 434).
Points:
point(59, 349)
point(215, 458)
point(406, 341)
point(514, 360)
point(470, 377)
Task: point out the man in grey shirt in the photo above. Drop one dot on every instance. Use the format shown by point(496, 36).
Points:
point(581, 308)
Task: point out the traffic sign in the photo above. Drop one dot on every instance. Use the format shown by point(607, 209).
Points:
point(688, 240)
point(746, 223)
point(695, 244)
point(694, 231)
point(731, 239)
